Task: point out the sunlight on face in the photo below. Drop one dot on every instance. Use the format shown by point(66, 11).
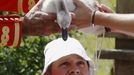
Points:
point(70, 65)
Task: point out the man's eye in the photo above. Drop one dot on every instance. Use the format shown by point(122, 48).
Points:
point(81, 63)
point(65, 64)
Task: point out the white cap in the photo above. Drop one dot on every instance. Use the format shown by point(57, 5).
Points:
point(59, 48)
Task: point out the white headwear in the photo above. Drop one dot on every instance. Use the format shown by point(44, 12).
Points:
point(59, 48)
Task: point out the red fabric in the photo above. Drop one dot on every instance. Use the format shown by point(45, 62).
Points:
point(12, 5)
point(9, 5)
point(11, 26)
point(25, 5)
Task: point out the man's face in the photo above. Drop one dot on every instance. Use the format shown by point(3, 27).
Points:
point(70, 65)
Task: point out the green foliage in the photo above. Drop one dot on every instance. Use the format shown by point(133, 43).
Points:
point(26, 60)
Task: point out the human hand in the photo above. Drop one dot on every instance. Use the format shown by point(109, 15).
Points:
point(82, 15)
point(104, 8)
point(36, 22)
point(40, 24)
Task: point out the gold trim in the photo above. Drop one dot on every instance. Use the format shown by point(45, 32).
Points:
point(20, 6)
point(5, 36)
point(16, 35)
point(31, 3)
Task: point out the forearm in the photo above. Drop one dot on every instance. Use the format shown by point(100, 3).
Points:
point(123, 22)
point(29, 28)
point(39, 27)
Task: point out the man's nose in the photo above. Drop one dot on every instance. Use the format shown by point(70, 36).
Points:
point(74, 71)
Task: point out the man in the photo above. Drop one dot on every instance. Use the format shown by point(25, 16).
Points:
point(66, 58)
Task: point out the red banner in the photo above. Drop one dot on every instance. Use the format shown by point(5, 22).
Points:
point(20, 6)
point(28, 4)
point(9, 5)
point(10, 31)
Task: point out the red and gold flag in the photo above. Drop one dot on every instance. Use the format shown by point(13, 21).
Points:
point(21, 6)
point(10, 31)
point(9, 5)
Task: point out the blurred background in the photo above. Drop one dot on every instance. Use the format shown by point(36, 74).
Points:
point(29, 58)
